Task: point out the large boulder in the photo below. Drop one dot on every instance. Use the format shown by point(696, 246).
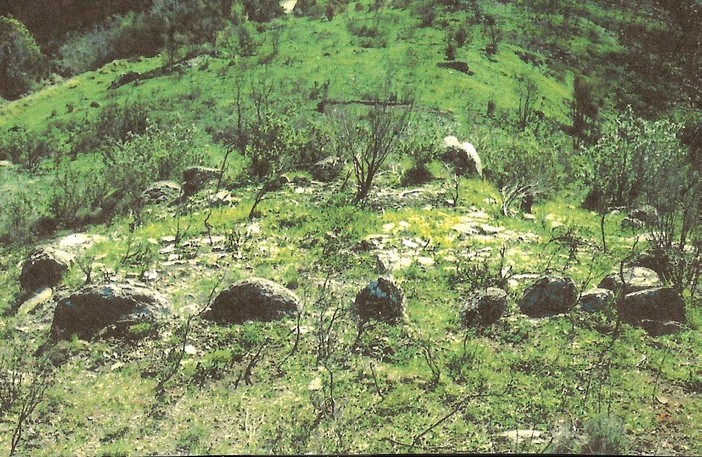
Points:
point(94, 308)
point(327, 170)
point(548, 296)
point(162, 192)
point(659, 311)
point(484, 308)
point(253, 299)
point(462, 156)
point(596, 299)
point(195, 178)
point(44, 267)
point(382, 300)
point(635, 279)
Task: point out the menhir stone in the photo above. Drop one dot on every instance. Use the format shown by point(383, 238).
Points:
point(381, 300)
point(253, 299)
point(548, 296)
point(44, 267)
point(484, 308)
point(96, 307)
point(659, 311)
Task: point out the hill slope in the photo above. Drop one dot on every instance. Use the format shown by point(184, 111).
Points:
point(264, 103)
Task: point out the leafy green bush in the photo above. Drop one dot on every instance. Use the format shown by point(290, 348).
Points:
point(20, 214)
point(604, 435)
point(423, 146)
point(527, 157)
point(156, 155)
point(78, 191)
point(29, 148)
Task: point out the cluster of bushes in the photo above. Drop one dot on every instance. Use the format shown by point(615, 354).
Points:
point(98, 173)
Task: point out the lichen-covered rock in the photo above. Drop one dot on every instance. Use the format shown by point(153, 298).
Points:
point(44, 267)
point(659, 311)
point(94, 308)
point(548, 296)
point(484, 308)
point(195, 178)
point(253, 299)
point(381, 300)
point(596, 299)
point(162, 192)
point(635, 278)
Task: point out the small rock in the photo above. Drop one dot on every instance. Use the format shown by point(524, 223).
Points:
point(44, 267)
point(659, 311)
point(486, 229)
point(548, 296)
point(484, 308)
point(520, 436)
point(162, 192)
point(328, 169)
point(635, 278)
point(647, 214)
point(382, 300)
point(597, 299)
point(37, 298)
point(79, 242)
point(195, 178)
point(222, 198)
point(629, 223)
point(93, 308)
point(468, 229)
point(425, 261)
point(253, 299)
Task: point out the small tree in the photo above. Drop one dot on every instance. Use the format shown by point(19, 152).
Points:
point(528, 92)
point(450, 48)
point(21, 61)
point(584, 112)
point(370, 139)
point(493, 34)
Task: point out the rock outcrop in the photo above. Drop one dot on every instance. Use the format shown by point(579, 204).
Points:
point(462, 156)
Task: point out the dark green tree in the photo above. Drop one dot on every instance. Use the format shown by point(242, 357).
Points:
point(21, 60)
point(584, 112)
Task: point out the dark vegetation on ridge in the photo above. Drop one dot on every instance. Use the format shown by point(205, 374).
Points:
point(333, 226)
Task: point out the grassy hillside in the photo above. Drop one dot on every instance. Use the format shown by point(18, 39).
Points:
point(565, 102)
